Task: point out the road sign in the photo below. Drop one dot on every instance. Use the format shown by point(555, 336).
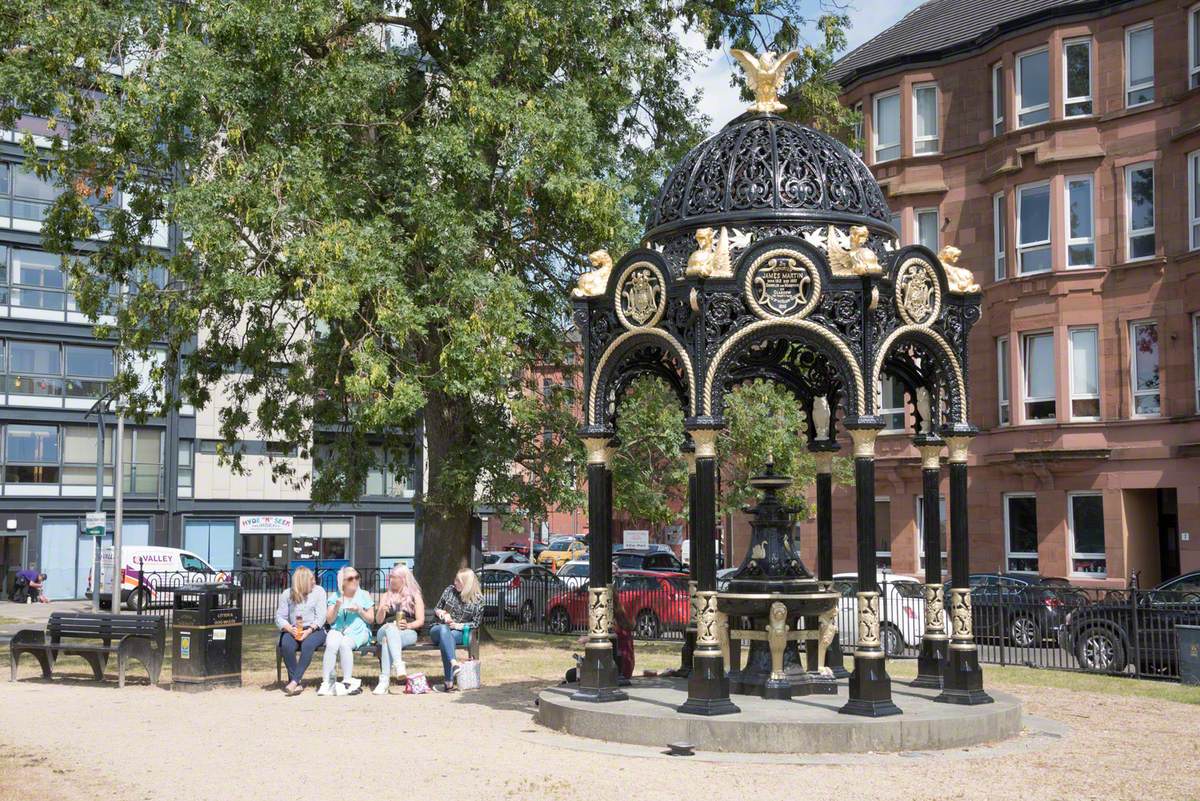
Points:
point(95, 524)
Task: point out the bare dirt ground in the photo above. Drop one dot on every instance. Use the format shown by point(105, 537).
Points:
point(74, 739)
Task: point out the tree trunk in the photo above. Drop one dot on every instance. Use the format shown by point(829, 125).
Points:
point(445, 527)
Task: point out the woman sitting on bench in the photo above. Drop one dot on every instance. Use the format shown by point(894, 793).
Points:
point(401, 610)
point(349, 619)
point(300, 617)
point(460, 609)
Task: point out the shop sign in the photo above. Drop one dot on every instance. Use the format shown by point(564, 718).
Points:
point(265, 524)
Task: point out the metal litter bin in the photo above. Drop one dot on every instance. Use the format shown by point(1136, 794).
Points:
point(207, 645)
point(1189, 654)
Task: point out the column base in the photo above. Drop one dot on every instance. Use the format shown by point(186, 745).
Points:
point(708, 687)
point(685, 655)
point(835, 660)
point(598, 677)
point(870, 689)
point(929, 664)
point(962, 679)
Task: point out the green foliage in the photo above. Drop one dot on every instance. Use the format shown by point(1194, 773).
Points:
point(649, 471)
point(378, 206)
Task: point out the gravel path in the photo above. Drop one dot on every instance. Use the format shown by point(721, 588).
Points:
point(251, 743)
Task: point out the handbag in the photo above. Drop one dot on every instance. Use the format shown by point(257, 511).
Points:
point(416, 684)
point(468, 675)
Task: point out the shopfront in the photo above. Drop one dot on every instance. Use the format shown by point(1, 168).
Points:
point(67, 552)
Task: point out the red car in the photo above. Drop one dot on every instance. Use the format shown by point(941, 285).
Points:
point(655, 602)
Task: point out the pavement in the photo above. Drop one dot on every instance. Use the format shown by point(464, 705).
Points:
point(14, 617)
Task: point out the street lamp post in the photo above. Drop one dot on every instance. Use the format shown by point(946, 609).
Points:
point(98, 409)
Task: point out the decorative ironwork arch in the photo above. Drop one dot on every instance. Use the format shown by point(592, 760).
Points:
point(945, 365)
point(615, 371)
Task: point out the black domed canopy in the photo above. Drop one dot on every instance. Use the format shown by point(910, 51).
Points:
point(762, 167)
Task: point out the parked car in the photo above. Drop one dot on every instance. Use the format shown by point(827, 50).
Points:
point(723, 578)
point(523, 549)
point(147, 570)
point(562, 550)
point(526, 589)
point(575, 574)
point(1022, 609)
point(902, 613)
point(504, 557)
point(656, 561)
point(1107, 635)
point(655, 602)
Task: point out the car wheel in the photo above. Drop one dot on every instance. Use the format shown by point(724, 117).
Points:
point(560, 621)
point(646, 625)
point(1100, 649)
point(139, 599)
point(892, 641)
point(1023, 632)
point(527, 612)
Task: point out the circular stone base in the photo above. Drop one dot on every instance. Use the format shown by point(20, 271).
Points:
point(809, 724)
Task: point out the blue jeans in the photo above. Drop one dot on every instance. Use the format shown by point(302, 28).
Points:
point(392, 642)
point(308, 646)
point(446, 639)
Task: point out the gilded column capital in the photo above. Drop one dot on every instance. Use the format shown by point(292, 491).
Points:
point(824, 460)
point(705, 440)
point(598, 450)
point(931, 456)
point(864, 441)
point(958, 449)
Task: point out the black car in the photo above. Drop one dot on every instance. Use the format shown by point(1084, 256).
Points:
point(1134, 626)
point(638, 559)
point(1024, 610)
point(525, 589)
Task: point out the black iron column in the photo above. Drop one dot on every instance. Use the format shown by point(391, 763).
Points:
point(933, 642)
point(598, 672)
point(823, 451)
point(870, 686)
point(708, 686)
point(962, 679)
point(689, 634)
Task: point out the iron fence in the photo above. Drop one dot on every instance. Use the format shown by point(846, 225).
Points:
point(1121, 632)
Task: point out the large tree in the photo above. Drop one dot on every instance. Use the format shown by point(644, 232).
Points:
point(379, 206)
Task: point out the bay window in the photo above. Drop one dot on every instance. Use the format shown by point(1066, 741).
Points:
point(1085, 520)
point(997, 98)
point(1084, 357)
point(1002, 391)
point(1038, 365)
point(1077, 77)
point(885, 126)
point(1000, 234)
point(1033, 229)
point(1021, 532)
point(1081, 242)
point(1139, 65)
point(1139, 211)
point(927, 228)
point(1193, 183)
point(1033, 87)
point(1143, 363)
point(925, 119)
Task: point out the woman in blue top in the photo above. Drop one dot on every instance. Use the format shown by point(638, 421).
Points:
point(349, 618)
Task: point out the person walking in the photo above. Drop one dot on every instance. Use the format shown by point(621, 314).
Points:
point(460, 609)
point(401, 610)
point(349, 616)
point(300, 617)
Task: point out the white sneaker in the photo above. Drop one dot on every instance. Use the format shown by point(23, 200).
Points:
point(327, 688)
point(382, 687)
point(340, 689)
point(399, 670)
point(353, 685)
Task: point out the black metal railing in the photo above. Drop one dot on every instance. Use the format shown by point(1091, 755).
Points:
point(1122, 632)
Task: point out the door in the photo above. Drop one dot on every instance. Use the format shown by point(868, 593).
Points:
point(1168, 534)
point(212, 541)
point(59, 560)
point(12, 559)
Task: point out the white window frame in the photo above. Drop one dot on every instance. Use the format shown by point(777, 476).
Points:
point(1193, 192)
point(1193, 17)
point(1068, 100)
point(1026, 398)
point(1073, 395)
point(1082, 240)
point(1004, 383)
point(1196, 356)
point(1071, 496)
point(1000, 235)
point(1129, 87)
point(1131, 232)
point(1021, 110)
point(1010, 554)
point(858, 128)
point(875, 144)
point(998, 110)
point(1133, 390)
point(1041, 243)
point(887, 411)
point(936, 226)
point(937, 128)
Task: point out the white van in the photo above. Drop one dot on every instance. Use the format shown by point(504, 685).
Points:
point(147, 569)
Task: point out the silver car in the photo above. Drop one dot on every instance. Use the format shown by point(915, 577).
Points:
point(574, 574)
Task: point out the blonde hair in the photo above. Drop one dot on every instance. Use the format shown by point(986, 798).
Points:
point(470, 592)
point(409, 593)
point(342, 571)
point(303, 582)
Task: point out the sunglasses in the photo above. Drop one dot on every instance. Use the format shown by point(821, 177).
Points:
point(351, 578)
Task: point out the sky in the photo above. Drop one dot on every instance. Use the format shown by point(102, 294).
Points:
point(721, 102)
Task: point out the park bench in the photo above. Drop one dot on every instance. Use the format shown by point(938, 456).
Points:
point(141, 637)
point(372, 648)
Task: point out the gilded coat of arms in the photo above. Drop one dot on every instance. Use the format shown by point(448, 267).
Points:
point(640, 296)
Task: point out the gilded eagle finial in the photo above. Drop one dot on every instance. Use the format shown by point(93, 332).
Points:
point(765, 74)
